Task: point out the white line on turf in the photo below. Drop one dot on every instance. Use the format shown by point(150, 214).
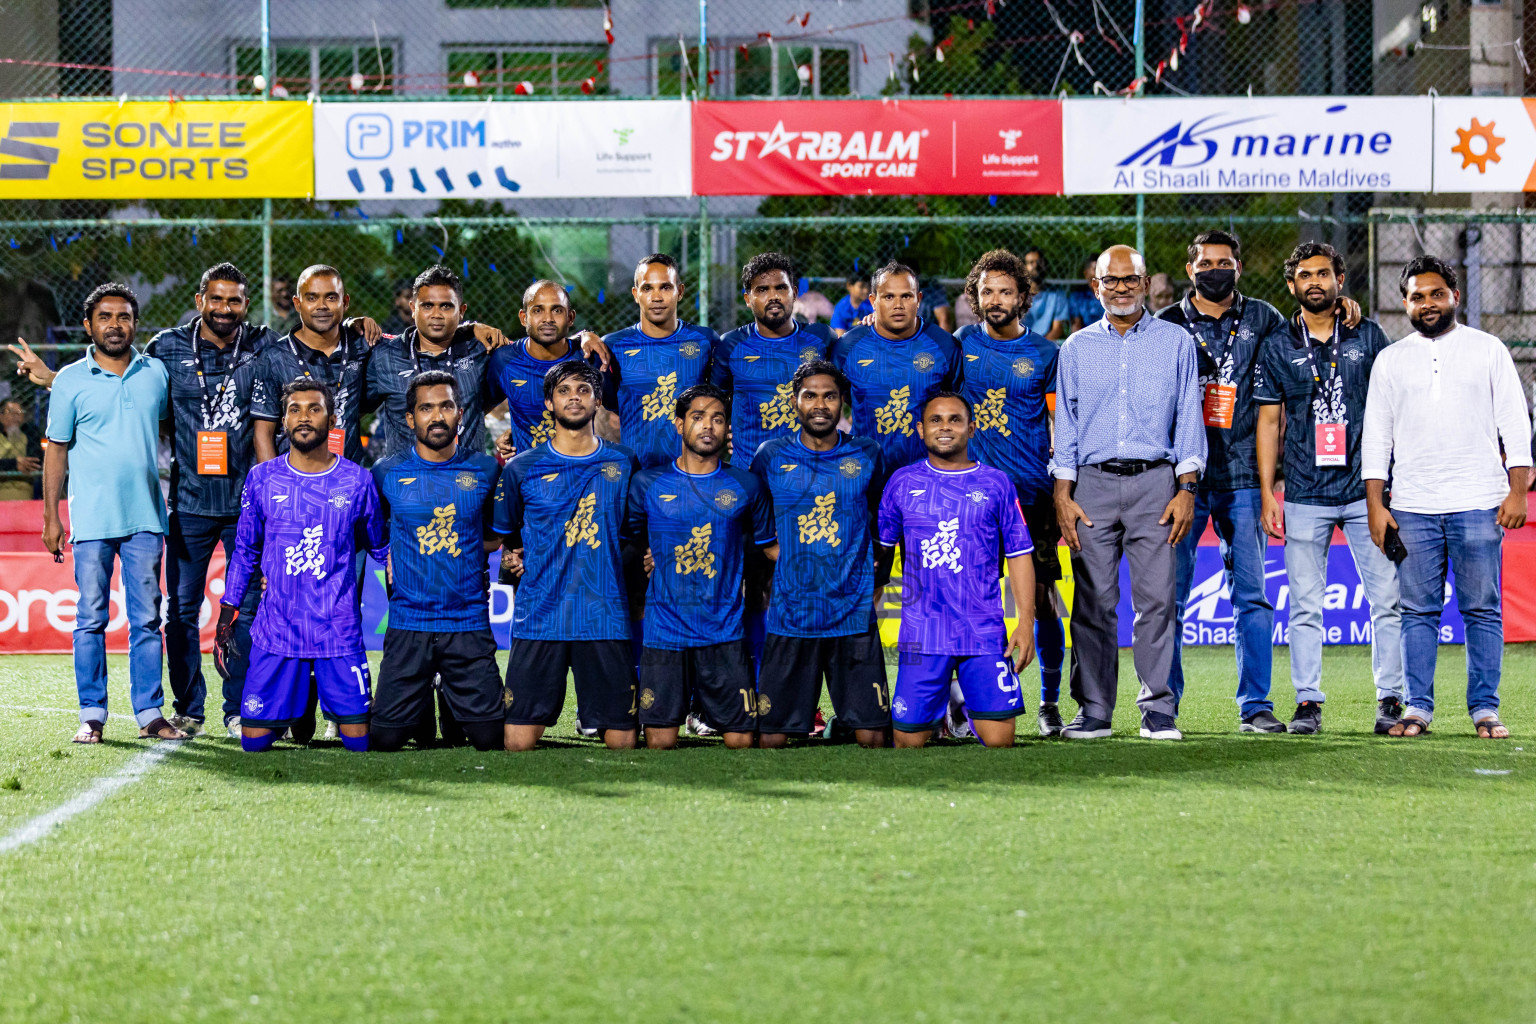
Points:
point(61, 711)
point(98, 791)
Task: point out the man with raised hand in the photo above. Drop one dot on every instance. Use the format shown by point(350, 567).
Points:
point(825, 488)
point(438, 339)
point(517, 370)
point(695, 518)
point(302, 519)
point(653, 361)
point(894, 365)
point(1319, 372)
point(437, 503)
point(952, 516)
point(561, 508)
point(1008, 375)
point(1129, 447)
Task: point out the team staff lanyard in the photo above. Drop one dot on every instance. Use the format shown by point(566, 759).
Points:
point(213, 445)
point(1330, 429)
point(336, 440)
point(1220, 398)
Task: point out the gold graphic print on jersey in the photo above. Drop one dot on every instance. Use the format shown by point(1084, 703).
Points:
point(543, 430)
point(660, 403)
point(779, 411)
point(819, 524)
point(990, 414)
point(580, 529)
point(439, 534)
point(893, 417)
point(695, 556)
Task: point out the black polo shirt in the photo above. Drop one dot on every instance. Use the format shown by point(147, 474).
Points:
point(345, 370)
point(395, 360)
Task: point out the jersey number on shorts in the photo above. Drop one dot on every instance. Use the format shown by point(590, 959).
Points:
point(1006, 680)
point(362, 680)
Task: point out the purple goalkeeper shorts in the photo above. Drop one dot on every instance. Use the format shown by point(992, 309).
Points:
point(918, 703)
point(276, 690)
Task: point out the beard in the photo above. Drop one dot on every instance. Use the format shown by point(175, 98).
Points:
point(306, 442)
point(440, 440)
point(223, 326)
point(774, 317)
point(999, 316)
point(1318, 305)
point(1430, 328)
point(575, 423)
point(113, 342)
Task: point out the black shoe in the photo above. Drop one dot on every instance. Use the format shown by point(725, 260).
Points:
point(1389, 711)
point(1086, 727)
point(1157, 726)
point(1263, 721)
point(1049, 720)
point(1308, 719)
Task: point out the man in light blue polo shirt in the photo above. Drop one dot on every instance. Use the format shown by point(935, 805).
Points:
point(104, 423)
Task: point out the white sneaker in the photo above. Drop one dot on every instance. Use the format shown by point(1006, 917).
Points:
point(698, 727)
point(331, 732)
point(956, 725)
point(190, 726)
point(590, 734)
point(232, 727)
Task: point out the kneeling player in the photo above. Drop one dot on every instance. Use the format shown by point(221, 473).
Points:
point(301, 517)
point(825, 488)
point(951, 516)
point(436, 497)
point(561, 509)
point(696, 517)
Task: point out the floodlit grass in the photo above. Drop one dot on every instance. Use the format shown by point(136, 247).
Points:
point(1228, 878)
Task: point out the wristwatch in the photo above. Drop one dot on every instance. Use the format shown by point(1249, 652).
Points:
point(1190, 486)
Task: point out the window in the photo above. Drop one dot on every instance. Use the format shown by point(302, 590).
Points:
point(553, 69)
point(783, 69)
point(325, 68)
point(670, 78)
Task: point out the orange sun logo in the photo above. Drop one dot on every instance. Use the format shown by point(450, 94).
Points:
point(1490, 149)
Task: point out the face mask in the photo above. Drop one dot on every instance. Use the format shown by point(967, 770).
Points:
point(1215, 285)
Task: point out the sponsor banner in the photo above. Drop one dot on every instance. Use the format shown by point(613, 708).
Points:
point(155, 150)
point(496, 149)
point(880, 147)
point(1257, 144)
point(1485, 144)
point(376, 606)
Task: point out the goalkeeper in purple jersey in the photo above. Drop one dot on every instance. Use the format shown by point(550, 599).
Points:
point(951, 516)
point(303, 516)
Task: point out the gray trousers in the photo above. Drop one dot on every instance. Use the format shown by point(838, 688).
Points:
point(1125, 511)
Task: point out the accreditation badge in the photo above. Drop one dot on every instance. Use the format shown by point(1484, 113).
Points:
point(1330, 445)
point(212, 453)
point(1220, 400)
point(336, 441)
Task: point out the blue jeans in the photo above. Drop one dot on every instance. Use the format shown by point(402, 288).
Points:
point(1472, 542)
point(1238, 519)
point(1308, 534)
point(190, 545)
point(140, 557)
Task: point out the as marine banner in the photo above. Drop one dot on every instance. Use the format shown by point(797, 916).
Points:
point(155, 150)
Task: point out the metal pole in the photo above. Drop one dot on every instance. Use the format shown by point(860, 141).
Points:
point(266, 204)
point(705, 252)
point(1139, 39)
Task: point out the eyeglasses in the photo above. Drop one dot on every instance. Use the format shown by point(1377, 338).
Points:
point(1116, 283)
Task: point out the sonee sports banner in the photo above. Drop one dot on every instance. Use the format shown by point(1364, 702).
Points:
point(877, 147)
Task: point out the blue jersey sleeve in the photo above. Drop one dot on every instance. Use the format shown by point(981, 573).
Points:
point(888, 520)
point(508, 517)
point(763, 531)
point(766, 532)
point(379, 472)
point(720, 362)
point(372, 531)
point(266, 388)
point(635, 517)
point(249, 535)
point(1011, 526)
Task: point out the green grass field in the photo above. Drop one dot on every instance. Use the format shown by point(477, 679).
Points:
point(1226, 878)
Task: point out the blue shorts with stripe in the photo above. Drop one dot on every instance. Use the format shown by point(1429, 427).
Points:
point(276, 690)
point(921, 696)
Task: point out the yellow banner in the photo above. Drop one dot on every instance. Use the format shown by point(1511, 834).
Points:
point(888, 611)
point(156, 150)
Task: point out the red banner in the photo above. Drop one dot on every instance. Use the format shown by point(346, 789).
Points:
point(877, 147)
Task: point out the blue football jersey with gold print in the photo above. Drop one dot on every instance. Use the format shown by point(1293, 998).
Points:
point(437, 514)
point(567, 514)
point(1006, 382)
point(697, 527)
point(891, 380)
point(646, 376)
point(755, 372)
point(519, 376)
point(823, 510)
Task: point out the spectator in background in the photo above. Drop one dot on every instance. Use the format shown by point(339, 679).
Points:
point(1084, 306)
point(933, 304)
point(854, 306)
point(1162, 294)
point(285, 319)
point(965, 313)
point(21, 451)
point(1047, 315)
point(400, 317)
point(810, 304)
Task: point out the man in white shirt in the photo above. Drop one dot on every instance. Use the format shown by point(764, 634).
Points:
point(1442, 401)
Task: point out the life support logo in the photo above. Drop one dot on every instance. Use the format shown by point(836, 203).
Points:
point(20, 143)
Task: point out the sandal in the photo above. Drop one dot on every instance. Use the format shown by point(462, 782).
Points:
point(160, 729)
point(1401, 726)
point(89, 732)
point(1485, 727)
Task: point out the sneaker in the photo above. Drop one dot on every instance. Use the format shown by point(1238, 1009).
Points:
point(1157, 726)
point(956, 725)
point(582, 730)
point(1389, 710)
point(1264, 721)
point(1084, 727)
point(331, 732)
point(232, 727)
point(190, 726)
point(1049, 720)
point(1308, 719)
point(698, 727)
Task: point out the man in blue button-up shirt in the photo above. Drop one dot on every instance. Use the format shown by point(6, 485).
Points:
point(1130, 446)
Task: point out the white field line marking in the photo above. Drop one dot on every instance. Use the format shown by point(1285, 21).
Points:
point(44, 823)
point(62, 711)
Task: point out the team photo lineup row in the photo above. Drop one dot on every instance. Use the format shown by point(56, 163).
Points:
point(693, 538)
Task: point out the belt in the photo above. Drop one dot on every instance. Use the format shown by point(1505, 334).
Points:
point(1129, 467)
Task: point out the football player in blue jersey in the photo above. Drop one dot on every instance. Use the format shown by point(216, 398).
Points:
point(517, 370)
point(695, 518)
point(437, 501)
point(825, 488)
point(894, 365)
point(654, 360)
point(1008, 374)
point(561, 509)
